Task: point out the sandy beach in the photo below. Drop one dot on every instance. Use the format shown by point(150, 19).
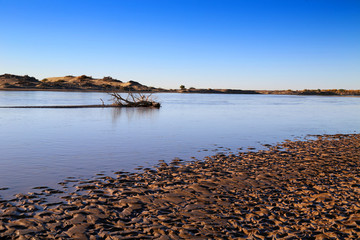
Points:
point(295, 190)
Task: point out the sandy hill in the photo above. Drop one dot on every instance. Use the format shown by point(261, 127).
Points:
point(83, 82)
point(89, 83)
point(14, 81)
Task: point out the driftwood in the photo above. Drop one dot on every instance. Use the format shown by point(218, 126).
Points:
point(134, 100)
point(63, 106)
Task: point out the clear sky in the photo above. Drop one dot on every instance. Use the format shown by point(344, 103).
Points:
point(242, 44)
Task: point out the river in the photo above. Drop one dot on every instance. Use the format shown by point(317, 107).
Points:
point(44, 146)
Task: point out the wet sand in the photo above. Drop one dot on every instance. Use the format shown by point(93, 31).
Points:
point(301, 189)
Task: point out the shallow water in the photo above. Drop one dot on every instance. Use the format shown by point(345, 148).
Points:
point(43, 146)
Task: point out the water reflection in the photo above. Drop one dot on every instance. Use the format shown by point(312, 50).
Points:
point(41, 146)
point(134, 113)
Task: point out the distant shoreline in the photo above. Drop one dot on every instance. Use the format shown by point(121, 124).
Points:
point(83, 83)
point(201, 91)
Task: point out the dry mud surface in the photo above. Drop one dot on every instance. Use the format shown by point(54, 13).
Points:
point(296, 190)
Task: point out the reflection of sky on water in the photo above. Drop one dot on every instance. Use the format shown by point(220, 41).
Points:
point(41, 146)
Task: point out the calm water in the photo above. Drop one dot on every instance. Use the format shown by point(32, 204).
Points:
point(43, 146)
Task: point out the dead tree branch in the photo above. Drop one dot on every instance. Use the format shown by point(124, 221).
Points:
point(134, 100)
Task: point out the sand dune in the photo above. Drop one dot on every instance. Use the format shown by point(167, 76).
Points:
point(8, 81)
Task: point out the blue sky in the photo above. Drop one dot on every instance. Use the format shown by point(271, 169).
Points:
point(254, 44)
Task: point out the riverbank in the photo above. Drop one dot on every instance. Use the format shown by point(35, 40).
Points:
point(297, 189)
point(83, 83)
point(324, 92)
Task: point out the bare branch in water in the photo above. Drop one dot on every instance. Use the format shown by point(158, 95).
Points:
point(134, 100)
